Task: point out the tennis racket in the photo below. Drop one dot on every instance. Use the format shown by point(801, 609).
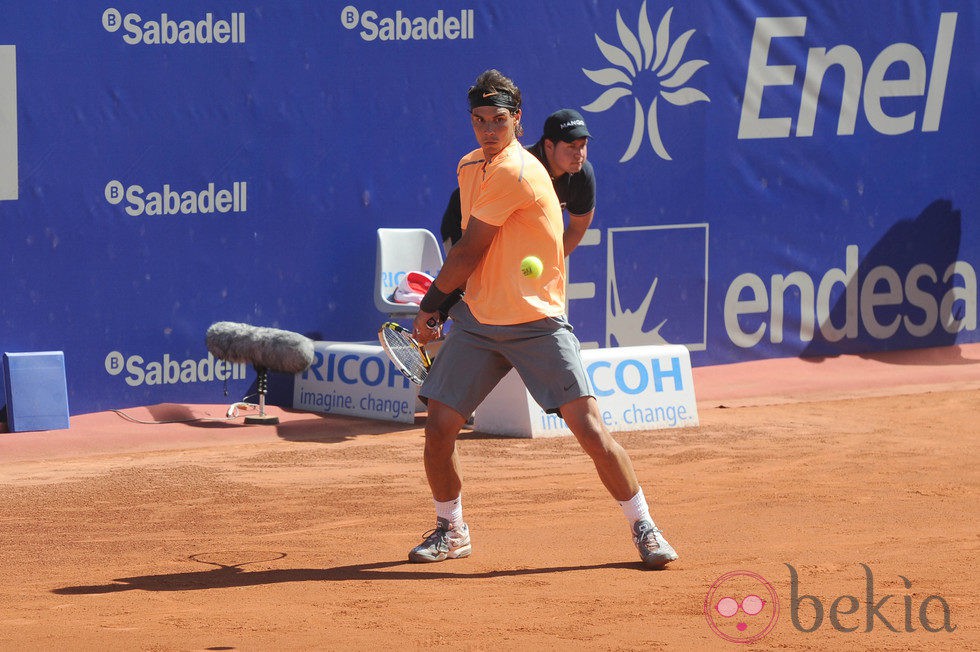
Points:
point(407, 354)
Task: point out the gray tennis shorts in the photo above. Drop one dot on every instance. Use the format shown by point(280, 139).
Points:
point(475, 357)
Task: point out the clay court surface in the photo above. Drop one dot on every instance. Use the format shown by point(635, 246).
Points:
point(215, 535)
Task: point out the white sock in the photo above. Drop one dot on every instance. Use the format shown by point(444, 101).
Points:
point(451, 510)
point(636, 508)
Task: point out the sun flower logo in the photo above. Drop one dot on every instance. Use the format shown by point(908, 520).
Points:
point(641, 57)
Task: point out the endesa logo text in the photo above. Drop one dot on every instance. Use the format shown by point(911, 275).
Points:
point(170, 31)
point(880, 300)
point(168, 201)
point(406, 28)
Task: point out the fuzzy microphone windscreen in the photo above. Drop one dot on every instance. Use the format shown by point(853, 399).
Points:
point(273, 349)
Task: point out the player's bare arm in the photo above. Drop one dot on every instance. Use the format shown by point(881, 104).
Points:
point(460, 263)
point(575, 231)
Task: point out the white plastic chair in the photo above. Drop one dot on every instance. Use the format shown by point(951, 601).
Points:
point(401, 251)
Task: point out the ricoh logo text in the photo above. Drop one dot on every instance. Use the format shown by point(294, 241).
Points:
point(633, 376)
point(355, 383)
point(406, 28)
point(354, 369)
point(169, 31)
point(635, 389)
point(139, 371)
point(618, 384)
point(168, 201)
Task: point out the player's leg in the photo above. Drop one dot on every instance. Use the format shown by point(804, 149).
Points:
point(551, 366)
point(442, 468)
point(463, 373)
point(451, 537)
point(611, 460)
point(547, 356)
point(615, 469)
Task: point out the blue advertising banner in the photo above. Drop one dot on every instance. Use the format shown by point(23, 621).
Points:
point(775, 177)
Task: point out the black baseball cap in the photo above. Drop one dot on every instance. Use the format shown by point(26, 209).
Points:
point(567, 125)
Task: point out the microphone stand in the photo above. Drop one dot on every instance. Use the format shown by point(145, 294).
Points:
point(262, 418)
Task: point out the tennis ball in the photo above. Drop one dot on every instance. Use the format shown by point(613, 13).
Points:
point(531, 267)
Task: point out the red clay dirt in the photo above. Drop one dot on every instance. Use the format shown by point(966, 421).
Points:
point(855, 474)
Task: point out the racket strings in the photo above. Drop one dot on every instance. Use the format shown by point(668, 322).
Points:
point(406, 351)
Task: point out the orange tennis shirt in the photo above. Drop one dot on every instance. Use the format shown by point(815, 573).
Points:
point(514, 192)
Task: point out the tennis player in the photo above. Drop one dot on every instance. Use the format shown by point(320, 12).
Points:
point(563, 149)
point(507, 320)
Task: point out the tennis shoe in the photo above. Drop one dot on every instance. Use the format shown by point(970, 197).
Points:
point(444, 542)
point(654, 550)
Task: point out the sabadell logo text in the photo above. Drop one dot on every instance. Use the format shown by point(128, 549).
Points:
point(167, 30)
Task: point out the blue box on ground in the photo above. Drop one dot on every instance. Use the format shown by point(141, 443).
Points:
point(36, 391)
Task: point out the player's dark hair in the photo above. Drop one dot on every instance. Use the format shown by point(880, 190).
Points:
point(491, 81)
